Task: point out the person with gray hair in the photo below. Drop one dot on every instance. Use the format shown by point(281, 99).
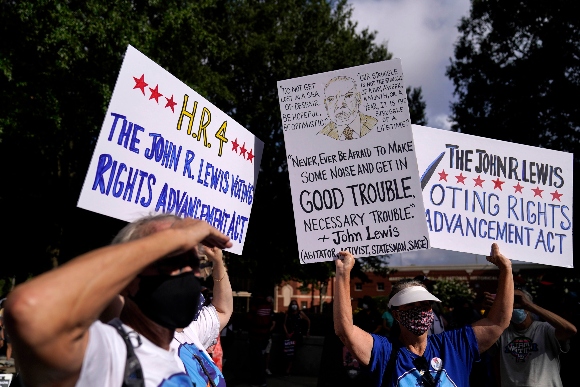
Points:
point(528, 349)
point(414, 358)
point(190, 342)
point(53, 318)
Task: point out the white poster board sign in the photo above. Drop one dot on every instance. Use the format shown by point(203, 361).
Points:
point(352, 164)
point(5, 380)
point(478, 191)
point(165, 149)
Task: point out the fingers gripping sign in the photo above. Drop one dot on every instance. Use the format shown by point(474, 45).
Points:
point(344, 263)
point(497, 258)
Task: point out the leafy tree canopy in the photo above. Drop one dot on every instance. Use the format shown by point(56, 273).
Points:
point(58, 66)
point(516, 72)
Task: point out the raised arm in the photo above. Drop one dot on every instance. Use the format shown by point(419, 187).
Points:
point(358, 342)
point(223, 299)
point(49, 316)
point(489, 329)
point(564, 329)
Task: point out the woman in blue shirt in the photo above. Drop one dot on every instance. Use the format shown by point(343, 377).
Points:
point(413, 358)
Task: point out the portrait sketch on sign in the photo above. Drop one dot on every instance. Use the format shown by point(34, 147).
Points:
point(363, 195)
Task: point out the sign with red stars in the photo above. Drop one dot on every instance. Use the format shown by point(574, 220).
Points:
point(163, 148)
point(477, 191)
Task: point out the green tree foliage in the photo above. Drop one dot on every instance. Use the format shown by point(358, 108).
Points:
point(58, 65)
point(417, 105)
point(449, 290)
point(516, 72)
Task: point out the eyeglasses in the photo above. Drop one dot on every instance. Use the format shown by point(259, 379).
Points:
point(423, 367)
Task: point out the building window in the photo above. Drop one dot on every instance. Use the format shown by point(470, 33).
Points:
point(358, 286)
point(303, 304)
point(380, 286)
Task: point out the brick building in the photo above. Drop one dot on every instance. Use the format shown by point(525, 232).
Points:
point(479, 277)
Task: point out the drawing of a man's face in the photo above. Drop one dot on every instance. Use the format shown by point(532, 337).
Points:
point(342, 100)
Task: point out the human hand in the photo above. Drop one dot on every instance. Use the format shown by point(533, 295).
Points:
point(198, 231)
point(344, 263)
point(213, 254)
point(489, 299)
point(498, 258)
point(520, 300)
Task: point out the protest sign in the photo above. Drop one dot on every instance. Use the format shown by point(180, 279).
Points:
point(5, 380)
point(165, 149)
point(352, 165)
point(478, 191)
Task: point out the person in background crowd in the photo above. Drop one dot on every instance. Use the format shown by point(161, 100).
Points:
point(388, 320)
point(4, 336)
point(462, 314)
point(2, 330)
point(293, 327)
point(260, 325)
point(368, 318)
point(332, 370)
point(529, 350)
point(268, 349)
point(416, 358)
point(439, 321)
point(53, 318)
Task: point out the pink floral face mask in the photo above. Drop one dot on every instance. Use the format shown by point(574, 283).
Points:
point(416, 320)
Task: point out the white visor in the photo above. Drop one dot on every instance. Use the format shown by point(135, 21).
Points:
point(412, 294)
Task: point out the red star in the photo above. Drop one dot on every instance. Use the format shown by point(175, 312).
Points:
point(243, 150)
point(442, 175)
point(235, 145)
point(155, 94)
point(140, 83)
point(537, 191)
point(497, 184)
point(518, 188)
point(250, 156)
point(170, 103)
point(556, 195)
point(461, 178)
point(479, 181)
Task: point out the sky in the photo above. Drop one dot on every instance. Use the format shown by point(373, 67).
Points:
point(422, 34)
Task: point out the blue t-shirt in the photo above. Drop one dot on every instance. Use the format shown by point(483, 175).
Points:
point(451, 351)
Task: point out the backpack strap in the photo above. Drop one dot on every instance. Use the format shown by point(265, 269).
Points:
point(205, 371)
point(133, 376)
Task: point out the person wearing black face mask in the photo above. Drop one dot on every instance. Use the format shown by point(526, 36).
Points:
point(528, 351)
point(414, 358)
point(53, 317)
point(193, 335)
